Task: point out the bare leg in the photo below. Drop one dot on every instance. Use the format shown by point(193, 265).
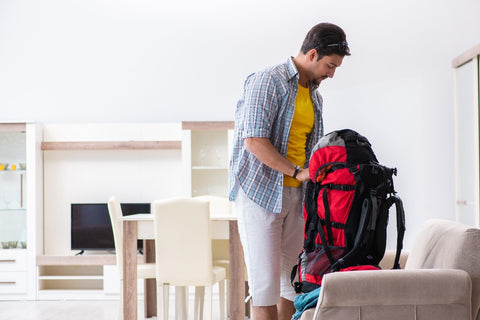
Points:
point(264, 313)
point(282, 311)
point(285, 309)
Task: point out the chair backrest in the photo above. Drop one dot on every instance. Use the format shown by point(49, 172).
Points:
point(218, 205)
point(443, 244)
point(183, 242)
point(115, 212)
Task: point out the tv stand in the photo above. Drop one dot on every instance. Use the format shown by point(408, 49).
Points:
point(83, 276)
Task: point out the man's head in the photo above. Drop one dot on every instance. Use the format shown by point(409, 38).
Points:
point(321, 53)
point(326, 39)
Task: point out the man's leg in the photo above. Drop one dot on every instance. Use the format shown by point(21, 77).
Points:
point(292, 243)
point(265, 313)
point(260, 233)
point(285, 309)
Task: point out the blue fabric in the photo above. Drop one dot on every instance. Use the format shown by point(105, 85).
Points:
point(265, 110)
point(304, 302)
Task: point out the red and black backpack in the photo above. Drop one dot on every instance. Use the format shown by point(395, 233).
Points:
point(346, 208)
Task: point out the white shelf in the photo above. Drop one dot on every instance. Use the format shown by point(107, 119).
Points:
point(205, 154)
point(62, 278)
point(209, 168)
point(99, 277)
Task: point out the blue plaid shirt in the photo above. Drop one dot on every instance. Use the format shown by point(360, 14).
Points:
point(266, 111)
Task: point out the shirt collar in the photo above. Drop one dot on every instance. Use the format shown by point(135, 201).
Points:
point(292, 73)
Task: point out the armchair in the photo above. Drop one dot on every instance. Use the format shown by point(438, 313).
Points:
point(441, 281)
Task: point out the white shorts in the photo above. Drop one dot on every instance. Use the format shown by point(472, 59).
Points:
point(271, 245)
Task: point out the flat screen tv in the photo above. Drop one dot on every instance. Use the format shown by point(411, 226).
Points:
point(91, 228)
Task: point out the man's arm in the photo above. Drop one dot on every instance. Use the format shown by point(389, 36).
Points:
point(264, 151)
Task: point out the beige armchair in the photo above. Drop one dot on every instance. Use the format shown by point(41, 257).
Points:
point(441, 281)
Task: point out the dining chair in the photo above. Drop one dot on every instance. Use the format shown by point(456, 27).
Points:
point(183, 251)
point(144, 270)
point(220, 247)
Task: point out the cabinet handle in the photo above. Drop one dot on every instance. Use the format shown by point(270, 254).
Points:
point(21, 190)
point(8, 282)
point(465, 202)
point(8, 261)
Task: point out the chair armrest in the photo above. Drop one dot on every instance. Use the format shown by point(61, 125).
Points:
point(384, 288)
point(395, 287)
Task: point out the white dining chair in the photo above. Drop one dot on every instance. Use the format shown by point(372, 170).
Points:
point(220, 206)
point(183, 251)
point(144, 270)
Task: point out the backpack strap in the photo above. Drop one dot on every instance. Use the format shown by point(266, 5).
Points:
point(326, 248)
point(400, 226)
point(311, 222)
point(328, 221)
point(365, 217)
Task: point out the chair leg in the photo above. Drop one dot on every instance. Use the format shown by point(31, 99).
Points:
point(120, 312)
point(209, 301)
point(199, 300)
point(166, 296)
point(221, 292)
point(162, 301)
point(181, 305)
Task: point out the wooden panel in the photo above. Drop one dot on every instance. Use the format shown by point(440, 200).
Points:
point(237, 272)
point(111, 145)
point(207, 125)
point(466, 56)
point(13, 127)
point(87, 260)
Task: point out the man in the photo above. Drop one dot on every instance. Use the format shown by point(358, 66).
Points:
point(278, 121)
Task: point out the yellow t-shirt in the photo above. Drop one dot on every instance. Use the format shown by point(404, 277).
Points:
point(302, 125)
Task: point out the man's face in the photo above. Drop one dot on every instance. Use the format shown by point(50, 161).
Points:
point(324, 68)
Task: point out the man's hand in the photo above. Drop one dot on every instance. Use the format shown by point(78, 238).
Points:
point(303, 175)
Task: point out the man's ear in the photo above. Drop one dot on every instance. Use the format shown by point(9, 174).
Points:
point(312, 55)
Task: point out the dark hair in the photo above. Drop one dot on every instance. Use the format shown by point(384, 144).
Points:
point(327, 39)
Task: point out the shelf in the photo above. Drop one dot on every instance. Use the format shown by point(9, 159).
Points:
point(111, 145)
point(99, 277)
point(466, 56)
point(13, 127)
point(84, 260)
point(208, 125)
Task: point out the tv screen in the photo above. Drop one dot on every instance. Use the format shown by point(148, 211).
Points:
point(91, 228)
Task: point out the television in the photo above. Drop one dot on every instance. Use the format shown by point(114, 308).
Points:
point(91, 228)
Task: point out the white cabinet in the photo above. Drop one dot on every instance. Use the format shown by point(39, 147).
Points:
point(206, 148)
point(20, 208)
point(467, 139)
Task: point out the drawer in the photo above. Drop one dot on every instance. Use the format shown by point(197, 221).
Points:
point(13, 260)
point(13, 282)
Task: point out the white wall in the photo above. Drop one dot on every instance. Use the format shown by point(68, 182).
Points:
point(145, 60)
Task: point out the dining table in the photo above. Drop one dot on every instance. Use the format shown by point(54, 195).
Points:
point(141, 226)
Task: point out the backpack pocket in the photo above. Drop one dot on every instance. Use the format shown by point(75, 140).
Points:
point(313, 265)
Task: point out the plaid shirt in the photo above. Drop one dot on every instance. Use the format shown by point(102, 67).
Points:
point(266, 111)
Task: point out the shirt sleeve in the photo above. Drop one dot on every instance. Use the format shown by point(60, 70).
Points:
point(259, 105)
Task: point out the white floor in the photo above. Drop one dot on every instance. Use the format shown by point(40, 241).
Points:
point(60, 310)
point(81, 309)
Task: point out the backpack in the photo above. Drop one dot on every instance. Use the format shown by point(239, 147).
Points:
point(346, 207)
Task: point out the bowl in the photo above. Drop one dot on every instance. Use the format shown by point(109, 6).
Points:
point(23, 244)
point(13, 244)
point(3, 166)
point(5, 245)
point(23, 166)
